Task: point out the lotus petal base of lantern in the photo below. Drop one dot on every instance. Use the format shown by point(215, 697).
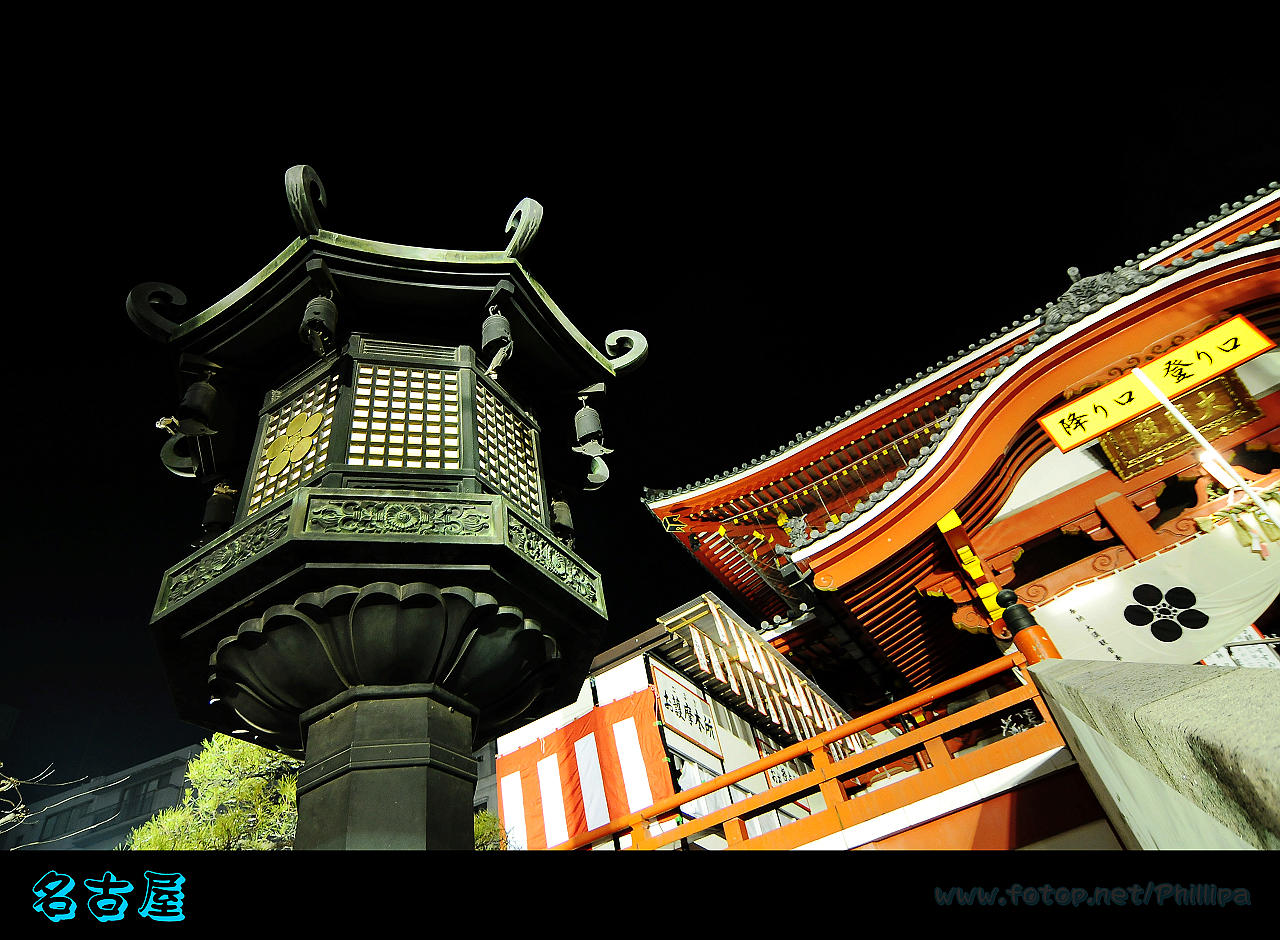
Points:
point(455, 645)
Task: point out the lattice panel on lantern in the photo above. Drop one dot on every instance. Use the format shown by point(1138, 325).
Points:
point(505, 452)
point(405, 417)
point(295, 444)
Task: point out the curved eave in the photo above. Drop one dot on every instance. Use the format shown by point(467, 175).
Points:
point(1015, 396)
point(191, 329)
point(864, 421)
point(1220, 230)
point(409, 268)
point(760, 584)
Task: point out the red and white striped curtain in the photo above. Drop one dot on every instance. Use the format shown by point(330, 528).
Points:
point(607, 764)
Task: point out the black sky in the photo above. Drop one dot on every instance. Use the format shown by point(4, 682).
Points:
point(787, 258)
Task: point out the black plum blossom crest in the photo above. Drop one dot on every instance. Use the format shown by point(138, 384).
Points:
point(1166, 613)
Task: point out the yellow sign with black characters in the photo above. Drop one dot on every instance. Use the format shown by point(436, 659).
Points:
point(1192, 364)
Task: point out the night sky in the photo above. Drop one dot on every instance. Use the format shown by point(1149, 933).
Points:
point(786, 259)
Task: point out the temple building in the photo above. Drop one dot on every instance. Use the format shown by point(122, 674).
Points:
point(1082, 507)
point(872, 548)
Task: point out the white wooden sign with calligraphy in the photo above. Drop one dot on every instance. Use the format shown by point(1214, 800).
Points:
point(685, 710)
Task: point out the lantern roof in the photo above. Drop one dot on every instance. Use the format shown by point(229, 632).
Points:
point(386, 288)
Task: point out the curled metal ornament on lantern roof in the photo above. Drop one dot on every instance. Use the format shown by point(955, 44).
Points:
point(368, 278)
point(487, 656)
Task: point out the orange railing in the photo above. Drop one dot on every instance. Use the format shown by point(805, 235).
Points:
point(846, 800)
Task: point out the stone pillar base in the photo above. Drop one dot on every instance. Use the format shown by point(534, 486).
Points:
point(394, 772)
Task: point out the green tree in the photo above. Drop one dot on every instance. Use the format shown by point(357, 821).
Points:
point(488, 831)
point(242, 796)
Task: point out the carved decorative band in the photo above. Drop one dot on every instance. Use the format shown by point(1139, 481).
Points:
point(1033, 594)
point(222, 558)
point(397, 517)
point(544, 553)
point(1179, 528)
point(1108, 560)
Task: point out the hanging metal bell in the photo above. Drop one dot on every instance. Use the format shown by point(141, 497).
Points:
point(198, 402)
point(219, 511)
point(561, 521)
point(561, 517)
point(319, 325)
point(495, 333)
point(586, 424)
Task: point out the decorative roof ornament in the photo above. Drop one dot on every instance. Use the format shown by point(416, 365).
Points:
point(148, 304)
point(525, 219)
point(797, 527)
point(627, 349)
point(299, 183)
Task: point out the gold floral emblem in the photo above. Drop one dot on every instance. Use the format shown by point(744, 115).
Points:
point(294, 442)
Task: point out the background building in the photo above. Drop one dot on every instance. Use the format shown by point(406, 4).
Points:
point(99, 813)
point(651, 721)
point(701, 696)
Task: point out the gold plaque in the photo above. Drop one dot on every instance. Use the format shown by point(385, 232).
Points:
point(1192, 364)
point(1215, 408)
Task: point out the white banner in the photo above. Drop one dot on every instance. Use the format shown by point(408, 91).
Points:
point(686, 710)
point(1175, 607)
